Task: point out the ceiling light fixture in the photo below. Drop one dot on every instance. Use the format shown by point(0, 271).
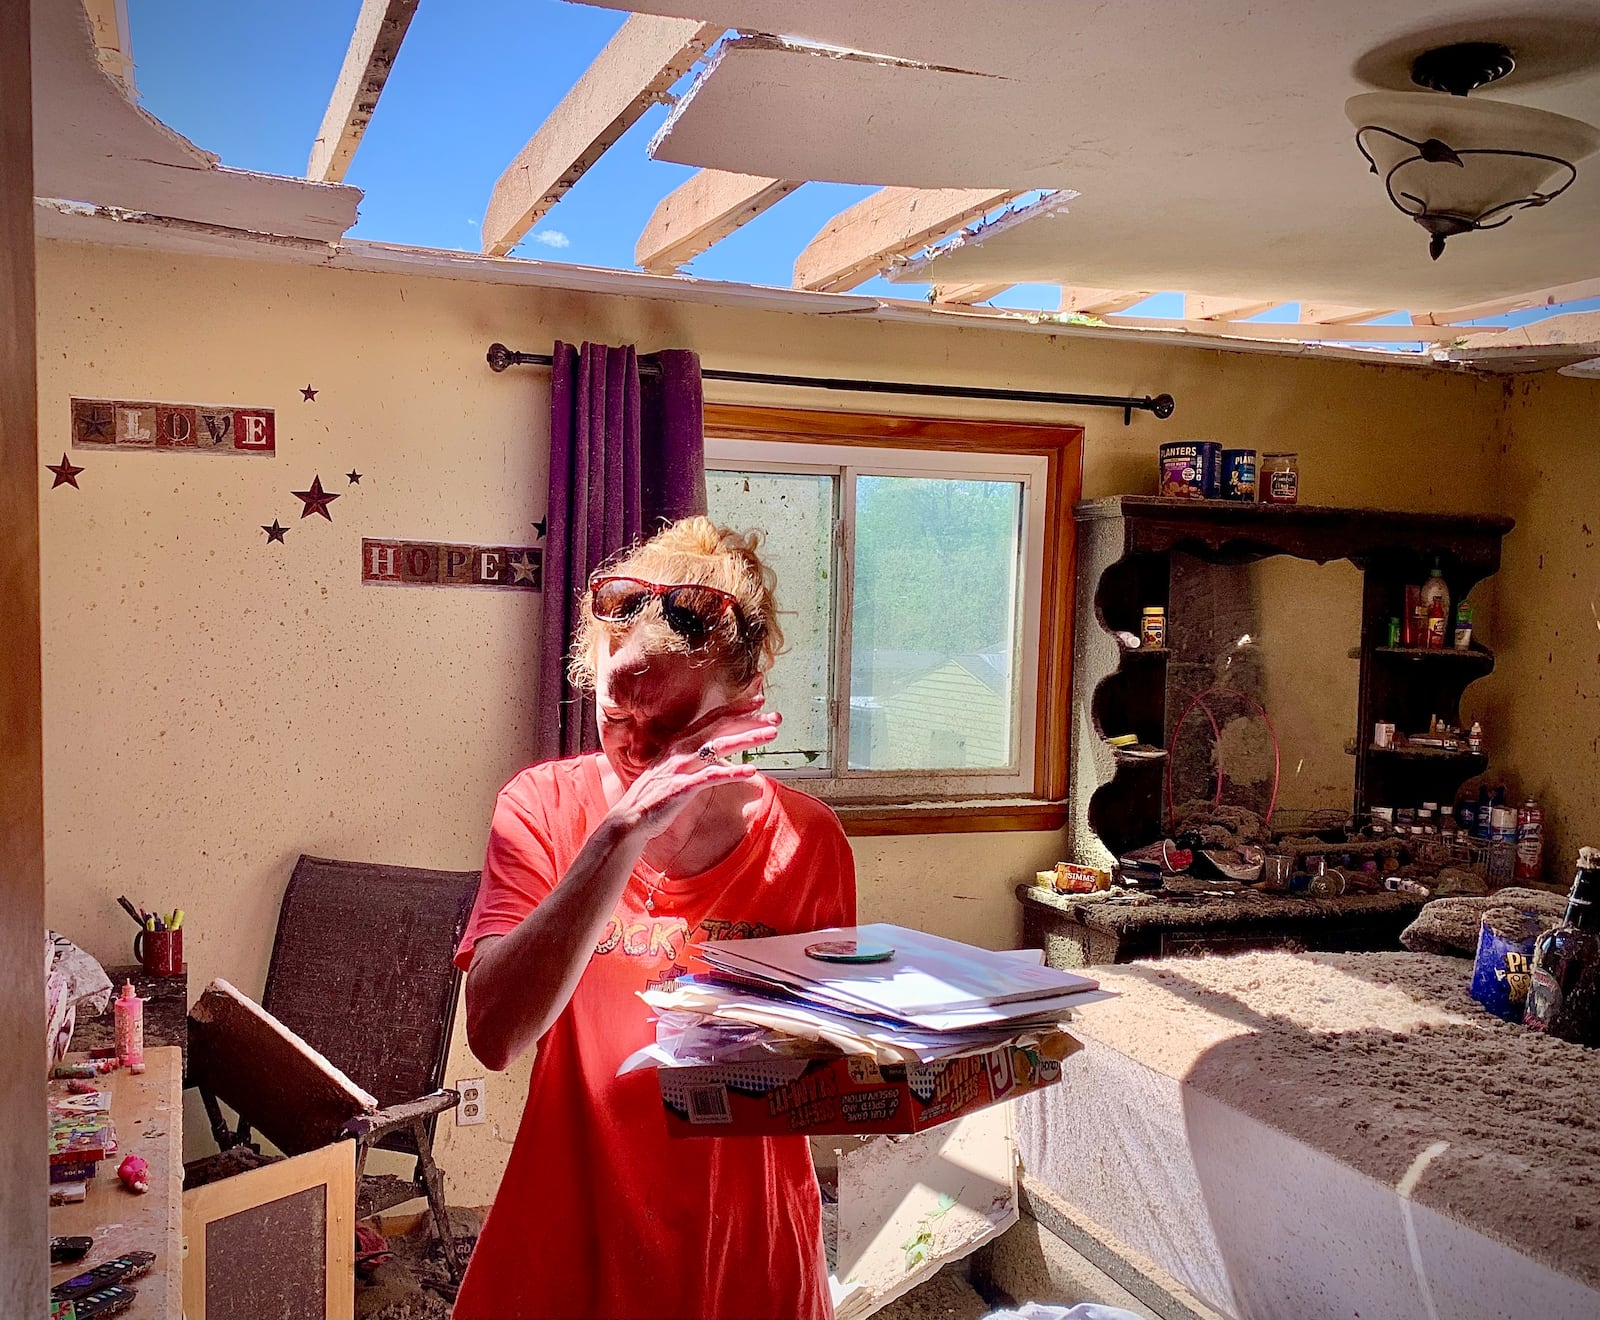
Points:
point(1456, 165)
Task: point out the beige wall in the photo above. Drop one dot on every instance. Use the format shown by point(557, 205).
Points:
point(1543, 703)
point(215, 706)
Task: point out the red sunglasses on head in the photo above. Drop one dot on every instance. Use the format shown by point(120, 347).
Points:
point(692, 611)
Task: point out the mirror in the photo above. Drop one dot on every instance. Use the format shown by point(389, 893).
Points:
point(1258, 648)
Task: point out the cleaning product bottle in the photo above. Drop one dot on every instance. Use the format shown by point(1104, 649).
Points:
point(1436, 605)
point(1530, 841)
point(1564, 994)
point(128, 1022)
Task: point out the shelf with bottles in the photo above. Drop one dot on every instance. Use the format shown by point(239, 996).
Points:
point(1472, 657)
point(1409, 751)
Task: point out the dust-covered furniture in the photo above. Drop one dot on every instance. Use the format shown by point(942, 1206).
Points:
point(362, 975)
point(274, 1242)
point(1326, 1135)
point(1191, 917)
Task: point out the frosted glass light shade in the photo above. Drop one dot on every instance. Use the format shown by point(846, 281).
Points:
point(1479, 183)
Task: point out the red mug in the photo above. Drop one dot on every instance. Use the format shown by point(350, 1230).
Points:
point(160, 952)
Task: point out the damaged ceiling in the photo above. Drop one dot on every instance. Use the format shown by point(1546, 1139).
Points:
point(93, 145)
point(1207, 144)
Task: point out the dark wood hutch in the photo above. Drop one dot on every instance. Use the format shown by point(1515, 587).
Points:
point(1124, 554)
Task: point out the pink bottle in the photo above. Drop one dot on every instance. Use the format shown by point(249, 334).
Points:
point(128, 1020)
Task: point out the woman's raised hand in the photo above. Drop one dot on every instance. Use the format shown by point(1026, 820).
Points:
point(696, 760)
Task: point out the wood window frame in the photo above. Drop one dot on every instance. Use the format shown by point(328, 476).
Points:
point(1061, 446)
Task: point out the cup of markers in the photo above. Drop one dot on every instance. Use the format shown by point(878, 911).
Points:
point(158, 947)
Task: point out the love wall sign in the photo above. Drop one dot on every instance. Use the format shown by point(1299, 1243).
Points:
point(193, 428)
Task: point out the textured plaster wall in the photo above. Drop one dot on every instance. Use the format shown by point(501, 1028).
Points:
point(1543, 702)
point(215, 706)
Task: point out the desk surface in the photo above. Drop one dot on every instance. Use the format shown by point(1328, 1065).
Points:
point(148, 1113)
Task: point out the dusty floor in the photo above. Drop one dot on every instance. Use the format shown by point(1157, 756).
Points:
point(1373, 1057)
point(395, 1290)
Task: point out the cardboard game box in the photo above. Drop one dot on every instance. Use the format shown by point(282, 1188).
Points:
point(849, 1094)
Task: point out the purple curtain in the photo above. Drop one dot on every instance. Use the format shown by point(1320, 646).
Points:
point(627, 455)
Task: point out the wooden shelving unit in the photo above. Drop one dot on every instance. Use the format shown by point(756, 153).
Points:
point(1125, 544)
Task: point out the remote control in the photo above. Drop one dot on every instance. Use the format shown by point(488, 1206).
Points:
point(69, 1250)
point(99, 1305)
point(119, 1270)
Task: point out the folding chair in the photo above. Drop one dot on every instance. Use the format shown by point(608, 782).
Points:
point(362, 972)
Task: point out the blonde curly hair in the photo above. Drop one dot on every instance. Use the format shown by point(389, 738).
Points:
point(693, 551)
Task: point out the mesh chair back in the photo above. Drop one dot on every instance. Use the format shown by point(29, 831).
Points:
point(361, 968)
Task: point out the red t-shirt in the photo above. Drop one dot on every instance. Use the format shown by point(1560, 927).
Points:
point(599, 1213)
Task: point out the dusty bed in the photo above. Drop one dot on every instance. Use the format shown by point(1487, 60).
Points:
point(1330, 1135)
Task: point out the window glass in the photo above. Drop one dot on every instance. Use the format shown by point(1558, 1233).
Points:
point(796, 512)
point(935, 623)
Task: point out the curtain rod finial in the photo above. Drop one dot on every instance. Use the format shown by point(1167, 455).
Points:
point(499, 356)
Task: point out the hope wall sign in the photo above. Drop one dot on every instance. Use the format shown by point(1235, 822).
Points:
point(445, 564)
point(193, 428)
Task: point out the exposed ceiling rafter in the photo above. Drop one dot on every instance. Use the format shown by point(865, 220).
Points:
point(628, 76)
point(1290, 330)
point(1335, 314)
point(1561, 293)
point(108, 19)
point(1204, 307)
point(1098, 302)
point(862, 240)
point(380, 28)
point(965, 295)
point(700, 213)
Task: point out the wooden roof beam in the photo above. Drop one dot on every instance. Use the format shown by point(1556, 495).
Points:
point(1098, 302)
point(700, 213)
point(632, 73)
point(862, 240)
point(380, 28)
point(113, 46)
point(1337, 314)
point(1204, 307)
point(1551, 297)
point(965, 295)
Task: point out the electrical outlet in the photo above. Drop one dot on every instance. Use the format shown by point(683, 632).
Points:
point(473, 1108)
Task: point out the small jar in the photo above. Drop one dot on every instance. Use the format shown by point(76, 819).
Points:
point(1153, 628)
point(1280, 479)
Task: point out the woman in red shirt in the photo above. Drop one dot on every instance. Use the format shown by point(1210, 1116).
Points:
point(601, 871)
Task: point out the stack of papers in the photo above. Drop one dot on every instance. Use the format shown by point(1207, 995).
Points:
point(933, 999)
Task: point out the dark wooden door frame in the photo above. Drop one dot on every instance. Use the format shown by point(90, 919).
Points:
point(23, 1189)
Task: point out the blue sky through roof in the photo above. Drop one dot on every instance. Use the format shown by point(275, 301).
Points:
point(471, 84)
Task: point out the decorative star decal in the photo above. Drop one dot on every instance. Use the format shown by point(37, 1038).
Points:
point(277, 533)
point(66, 474)
point(353, 477)
point(308, 394)
point(522, 569)
point(539, 526)
point(316, 500)
point(96, 423)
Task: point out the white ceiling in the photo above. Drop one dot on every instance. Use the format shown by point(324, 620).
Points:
point(1207, 140)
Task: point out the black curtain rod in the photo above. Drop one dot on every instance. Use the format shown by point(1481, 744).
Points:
point(500, 357)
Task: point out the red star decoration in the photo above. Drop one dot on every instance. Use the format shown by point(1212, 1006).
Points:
point(66, 474)
point(316, 499)
point(308, 394)
point(277, 533)
point(353, 477)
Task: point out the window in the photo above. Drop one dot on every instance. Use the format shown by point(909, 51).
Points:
point(922, 569)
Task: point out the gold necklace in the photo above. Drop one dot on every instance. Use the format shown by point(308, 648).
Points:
point(651, 886)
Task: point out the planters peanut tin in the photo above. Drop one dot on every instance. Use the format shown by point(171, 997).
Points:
point(1239, 475)
point(1191, 470)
